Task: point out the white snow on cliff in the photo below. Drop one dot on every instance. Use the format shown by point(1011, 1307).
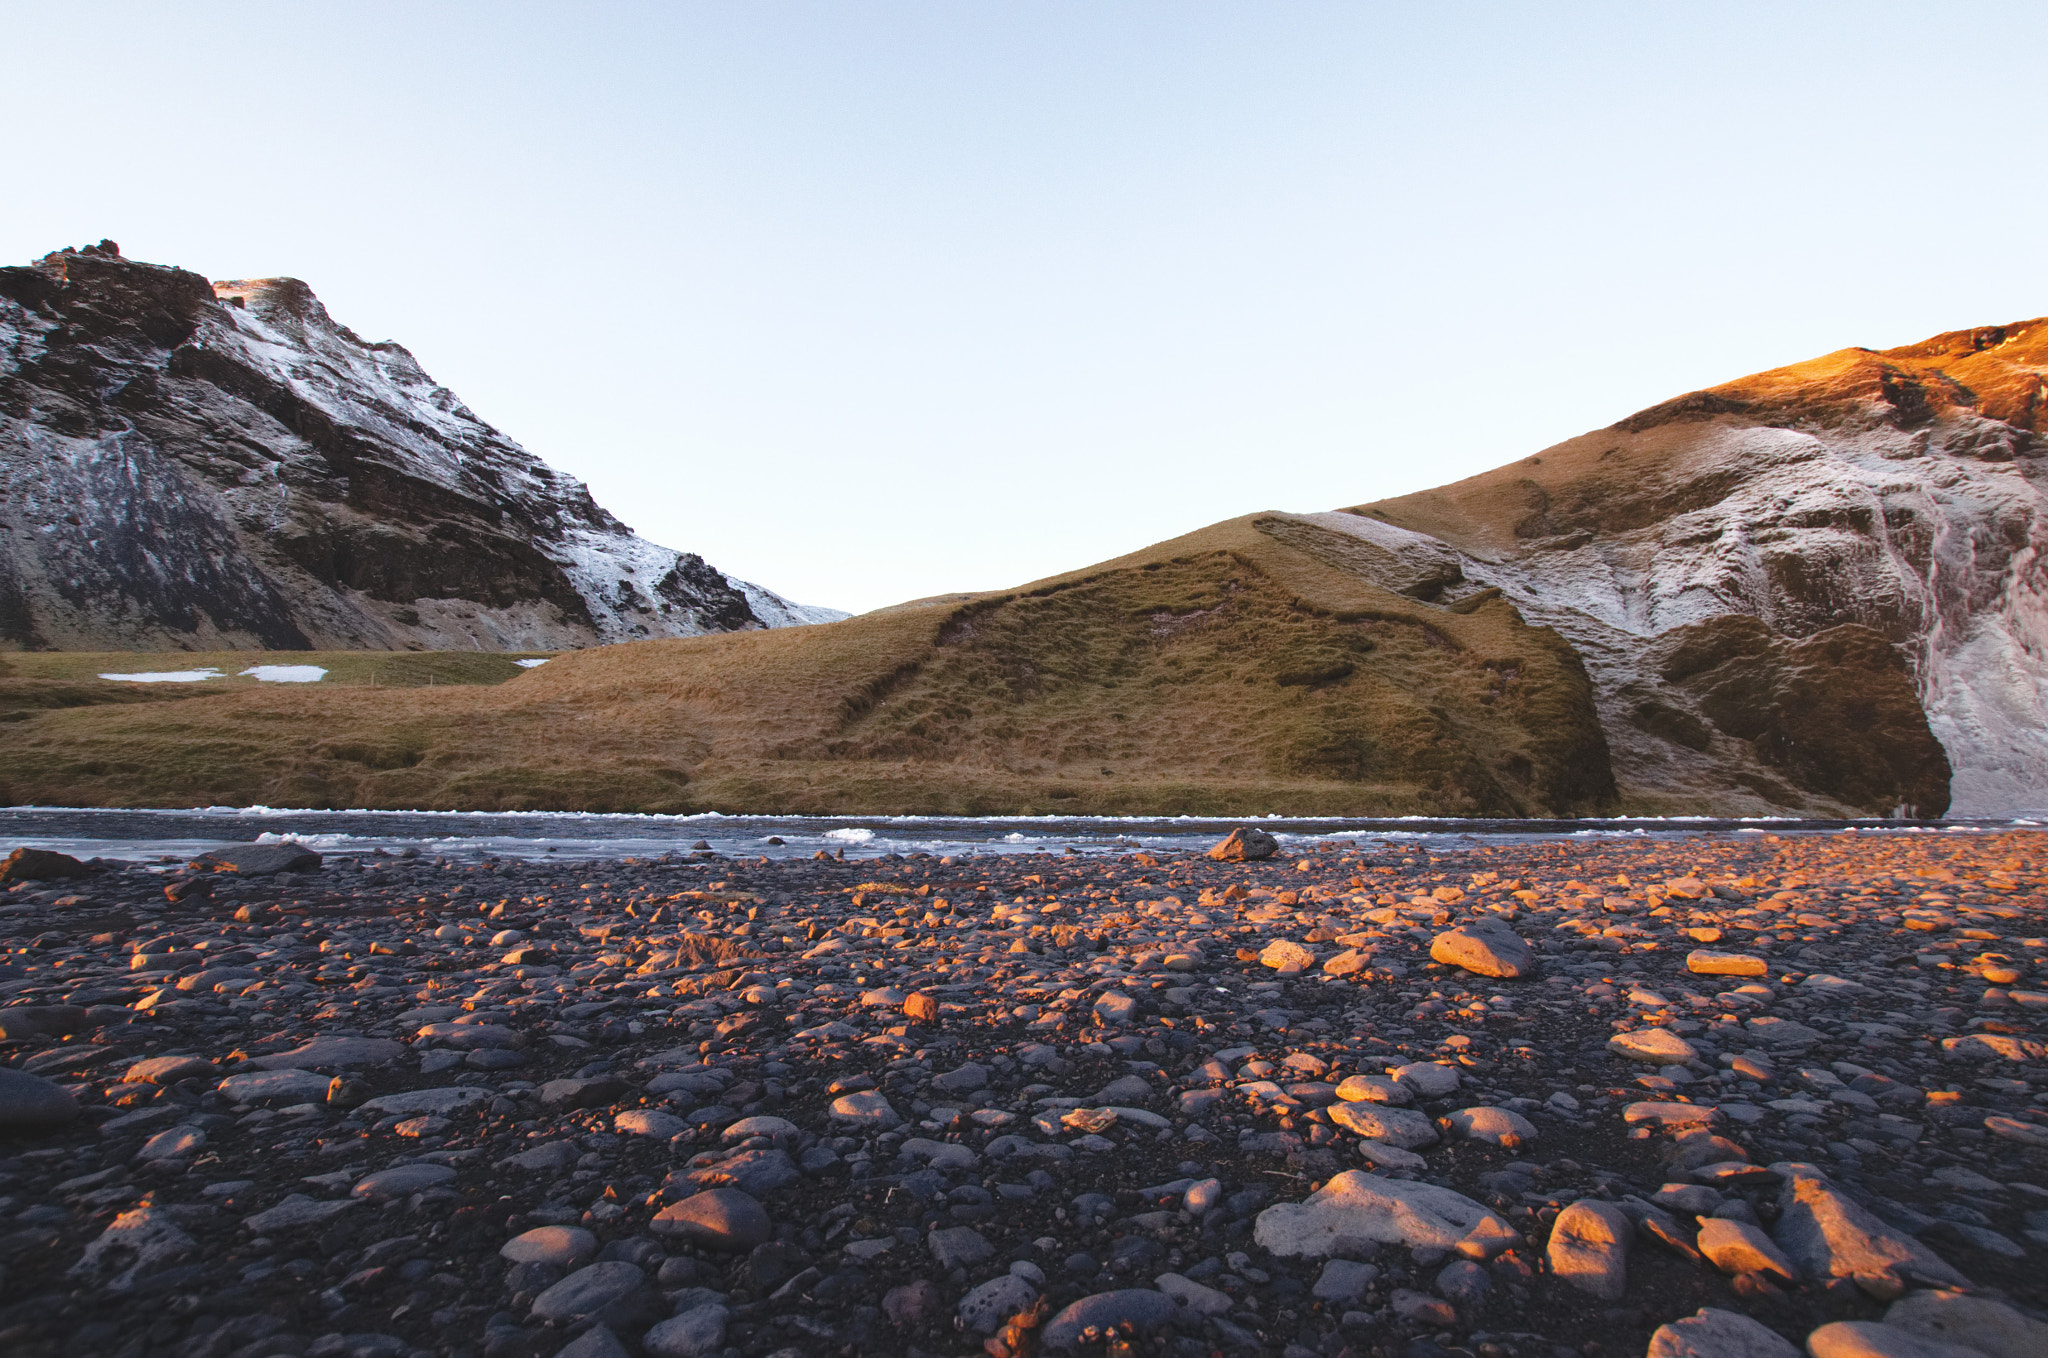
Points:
point(1903, 531)
point(279, 327)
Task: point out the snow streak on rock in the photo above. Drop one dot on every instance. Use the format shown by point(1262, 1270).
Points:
point(1925, 525)
point(224, 465)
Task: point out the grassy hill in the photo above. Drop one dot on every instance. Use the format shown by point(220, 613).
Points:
point(1250, 667)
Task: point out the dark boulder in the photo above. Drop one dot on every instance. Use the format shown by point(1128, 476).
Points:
point(1245, 844)
point(41, 865)
point(259, 860)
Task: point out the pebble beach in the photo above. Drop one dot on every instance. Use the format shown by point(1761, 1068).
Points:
point(1743, 1094)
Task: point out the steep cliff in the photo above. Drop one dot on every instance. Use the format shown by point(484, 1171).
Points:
point(1876, 519)
point(186, 464)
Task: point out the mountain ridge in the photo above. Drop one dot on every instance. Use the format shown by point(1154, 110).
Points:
point(1816, 591)
point(1902, 491)
point(186, 464)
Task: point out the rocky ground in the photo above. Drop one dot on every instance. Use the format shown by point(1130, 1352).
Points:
point(1759, 1091)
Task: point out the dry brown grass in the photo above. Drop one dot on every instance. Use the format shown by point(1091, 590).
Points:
point(1219, 673)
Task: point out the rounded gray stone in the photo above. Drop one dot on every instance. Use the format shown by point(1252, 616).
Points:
point(168, 1070)
point(335, 1052)
point(175, 1144)
point(648, 1122)
point(1992, 1327)
point(1658, 1046)
point(1589, 1247)
point(1430, 1079)
point(868, 1108)
point(1873, 1339)
point(563, 1246)
point(719, 1218)
point(1486, 947)
point(696, 1332)
point(589, 1290)
point(596, 1342)
point(403, 1180)
point(1362, 1206)
point(1344, 1280)
point(275, 1086)
point(1402, 1127)
point(1714, 1333)
point(1140, 1308)
point(1492, 1126)
point(29, 1103)
point(989, 1307)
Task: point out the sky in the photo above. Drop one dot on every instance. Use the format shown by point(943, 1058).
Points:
point(866, 302)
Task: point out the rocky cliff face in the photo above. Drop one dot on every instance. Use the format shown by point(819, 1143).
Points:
point(1822, 585)
point(186, 464)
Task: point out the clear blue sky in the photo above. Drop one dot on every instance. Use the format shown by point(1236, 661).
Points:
point(869, 301)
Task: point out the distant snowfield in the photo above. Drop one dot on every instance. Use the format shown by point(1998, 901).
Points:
point(529, 664)
point(166, 676)
point(269, 674)
point(286, 674)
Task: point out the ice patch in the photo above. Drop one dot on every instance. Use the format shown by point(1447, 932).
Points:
point(286, 674)
point(166, 676)
point(530, 664)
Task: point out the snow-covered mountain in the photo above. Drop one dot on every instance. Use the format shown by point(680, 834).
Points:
point(1896, 497)
point(222, 465)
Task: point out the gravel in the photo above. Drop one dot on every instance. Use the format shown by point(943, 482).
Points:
point(692, 1105)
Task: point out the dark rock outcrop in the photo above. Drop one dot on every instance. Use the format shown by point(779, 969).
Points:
point(1833, 714)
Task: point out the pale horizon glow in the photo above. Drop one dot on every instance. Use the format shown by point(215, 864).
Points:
point(865, 302)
